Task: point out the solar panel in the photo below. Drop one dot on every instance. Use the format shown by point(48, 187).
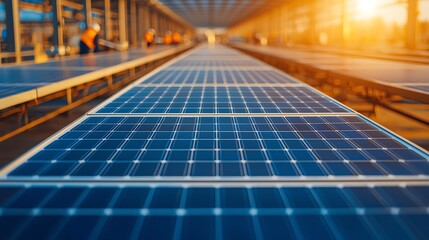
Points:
point(203, 63)
point(223, 76)
point(207, 212)
point(18, 79)
point(12, 89)
point(20, 76)
point(226, 147)
point(220, 150)
point(221, 99)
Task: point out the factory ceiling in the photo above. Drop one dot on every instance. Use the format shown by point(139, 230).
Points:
point(218, 13)
point(200, 13)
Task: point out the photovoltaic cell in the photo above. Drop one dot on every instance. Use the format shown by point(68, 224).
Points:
point(248, 76)
point(221, 62)
point(207, 212)
point(225, 99)
point(226, 147)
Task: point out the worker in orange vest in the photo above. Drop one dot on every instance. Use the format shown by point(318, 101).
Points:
point(167, 38)
point(149, 37)
point(176, 38)
point(89, 39)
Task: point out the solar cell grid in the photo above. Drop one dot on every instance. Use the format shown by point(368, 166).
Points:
point(207, 212)
point(218, 151)
point(220, 99)
point(225, 76)
point(217, 61)
point(225, 146)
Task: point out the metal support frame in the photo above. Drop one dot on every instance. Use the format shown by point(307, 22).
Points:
point(161, 23)
point(133, 23)
point(107, 20)
point(141, 27)
point(168, 23)
point(412, 24)
point(69, 95)
point(158, 23)
point(57, 23)
point(109, 80)
point(132, 72)
point(122, 13)
point(146, 17)
point(164, 23)
point(149, 17)
point(13, 26)
point(154, 21)
point(87, 6)
point(172, 25)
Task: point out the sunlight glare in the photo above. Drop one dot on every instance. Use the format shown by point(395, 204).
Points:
point(211, 37)
point(366, 8)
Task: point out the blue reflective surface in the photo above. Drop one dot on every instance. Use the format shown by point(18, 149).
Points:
point(224, 146)
point(224, 76)
point(18, 79)
point(221, 100)
point(231, 212)
point(219, 146)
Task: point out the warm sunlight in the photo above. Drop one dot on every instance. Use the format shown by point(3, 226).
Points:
point(366, 8)
point(211, 37)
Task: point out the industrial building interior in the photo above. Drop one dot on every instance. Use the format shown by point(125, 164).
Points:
point(214, 119)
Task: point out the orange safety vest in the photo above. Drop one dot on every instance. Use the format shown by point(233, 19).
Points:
point(177, 38)
point(148, 37)
point(88, 37)
point(167, 39)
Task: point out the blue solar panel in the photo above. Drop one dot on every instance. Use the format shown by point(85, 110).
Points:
point(225, 146)
point(221, 99)
point(18, 79)
point(224, 62)
point(214, 213)
point(225, 76)
point(12, 89)
point(20, 75)
point(218, 150)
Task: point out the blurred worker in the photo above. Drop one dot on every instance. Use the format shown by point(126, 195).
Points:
point(257, 38)
point(167, 38)
point(4, 35)
point(149, 37)
point(89, 39)
point(177, 38)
